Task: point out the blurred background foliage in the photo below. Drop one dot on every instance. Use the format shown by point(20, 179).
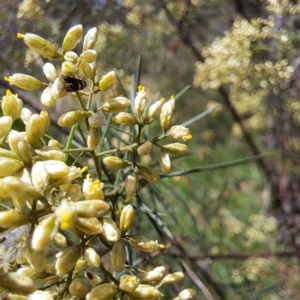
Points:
point(236, 225)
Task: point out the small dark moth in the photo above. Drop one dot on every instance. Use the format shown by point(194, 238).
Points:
point(73, 84)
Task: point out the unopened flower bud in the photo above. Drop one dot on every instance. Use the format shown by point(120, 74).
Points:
point(72, 38)
point(104, 291)
point(16, 283)
point(92, 257)
point(114, 162)
point(146, 292)
point(149, 174)
point(5, 125)
point(143, 244)
point(39, 45)
point(173, 278)
point(56, 168)
point(67, 260)
point(96, 119)
point(131, 185)
point(46, 153)
point(25, 115)
point(78, 288)
point(25, 82)
point(92, 189)
point(116, 105)
point(152, 277)
point(88, 56)
point(154, 111)
point(90, 39)
point(126, 218)
point(90, 226)
point(110, 231)
point(86, 69)
point(11, 105)
point(50, 72)
point(36, 259)
point(166, 114)
point(12, 218)
point(64, 214)
point(71, 56)
point(176, 148)
point(140, 101)
point(54, 143)
point(58, 88)
point(145, 148)
point(40, 177)
point(118, 256)
point(180, 132)
point(186, 294)
point(128, 283)
point(165, 162)
point(107, 81)
point(60, 240)
point(9, 166)
point(93, 138)
point(91, 208)
point(68, 69)
point(70, 118)
point(125, 118)
point(35, 129)
point(46, 98)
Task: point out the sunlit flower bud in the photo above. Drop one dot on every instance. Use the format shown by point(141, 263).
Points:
point(45, 295)
point(118, 256)
point(114, 162)
point(173, 278)
point(46, 153)
point(143, 244)
point(9, 166)
point(125, 118)
point(57, 89)
point(73, 192)
point(145, 292)
point(36, 259)
point(166, 114)
point(78, 288)
point(128, 283)
point(35, 129)
point(44, 233)
point(50, 72)
point(7, 153)
point(154, 111)
point(131, 185)
point(86, 70)
point(180, 132)
point(88, 225)
point(81, 265)
point(64, 214)
point(88, 56)
point(68, 69)
point(5, 125)
point(152, 276)
point(93, 138)
point(16, 283)
point(186, 294)
point(25, 82)
point(40, 177)
point(90, 39)
point(25, 115)
point(67, 260)
point(145, 148)
point(107, 81)
point(140, 101)
point(104, 291)
point(46, 120)
point(92, 257)
point(27, 271)
point(12, 218)
point(96, 119)
point(39, 45)
point(176, 148)
point(11, 105)
point(149, 174)
point(46, 98)
point(71, 56)
point(54, 143)
point(116, 105)
point(70, 118)
point(72, 38)
point(92, 278)
point(126, 218)
point(110, 230)
point(92, 189)
point(60, 240)
point(56, 168)
point(91, 208)
point(165, 162)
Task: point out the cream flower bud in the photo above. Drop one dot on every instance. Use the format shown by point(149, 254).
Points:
point(56, 169)
point(11, 105)
point(71, 56)
point(90, 39)
point(54, 143)
point(46, 98)
point(180, 132)
point(92, 189)
point(131, 185)
point(70, 118)
point(60, 240)
point(166, 114)
point(72, 38)
point(146, 292)
point(36, 259)
point(91, 208)
point(126, 218)
point(40, 177)
point(140, 101)
point(118, 256)
point(16, 283)
point(57, 89)
point(78, 288)
point(114, 162)
point(68, 69)
point(25, 115)
point(5, 125)
point(152, 276)
point(149, 174)
point(88, 225)
point(81, 265)
point(86, 70)
point(116, 105)
point(143, 244)
point(67, 260)
point(93, 138)
point(9, 166)
point(92, 257)
point(107, 81)
point(46, 153)
point(186, 294)
point(73, 192)
point(125, 118)
point(154, 111)
point(7, 153)
point(96, 119)
point(12, 218)
point(145, 148)
point(128, 283)
point(39, 45)
point(104, 291)
point(165, 162)
point(50, 72)
point(25, 82)
point(44, 233)
point(176, 148)
point(88, 56)
point(35, 129)
point(64, 214)
point(110, 230)
point(173, 278)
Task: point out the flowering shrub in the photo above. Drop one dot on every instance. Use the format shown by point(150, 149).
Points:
point(64, 227)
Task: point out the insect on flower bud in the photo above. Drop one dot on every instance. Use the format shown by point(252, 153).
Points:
point(58, 88)
point(149, 174)
point(176, 148)
point(70, 118)
point(143, 244)
point(118, 256)
point(90, 39)
point(128, 283)
point(114, 162)
point(126, 219)
point(145, 148)
point(165, 162)
point(88, 56)
point(25, 82)
point(107, 81)
point(166, 114)
point(115, 105)
point(5, 125)
point(72, 38)
point(131, 185)
point(125, 118)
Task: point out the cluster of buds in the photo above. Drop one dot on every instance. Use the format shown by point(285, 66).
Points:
point(48, 204)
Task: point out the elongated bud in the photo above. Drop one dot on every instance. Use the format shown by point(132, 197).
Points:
point(107, 81)
point(36, 259)
point(58, 88)
point(39, 45)
point(9, 166)
point(176, 148)
point(78, 288)
point(186, 294)
point(143, 244)
point(25, 115)
point(126, 218)
point(128, 283)
point(11, 105)
point(110, 230)
point(70, 118)
point(116, 105)
point(88, 225)
point(165, 162)
point(153, 276)
point(91, 208)
point(114, 162)
point(56, 168)
point(149, 174)
point(35, 129)
point(67, 260)
point(140, 102)
point(16, 283)
point(154, 111)
point(60, 240)
point(104, 291)
point(180, 132)
point(146, 292)
point(145, 148)
point(25, 82)
point(5, 125)
point(92, 257)
point(50, 71)
point(118, 256)
point(71, 57)
point(86, 70)
point(89, 56)
point(90, 39)
point(92, 189)
point(93, 138)
point(46, 98)
point(173, 278)
point(12, 218)
point(125, 118)
point(166, 114)
point(131, 185)
point(46, 153)
point(96, 119)
point(72, 38)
